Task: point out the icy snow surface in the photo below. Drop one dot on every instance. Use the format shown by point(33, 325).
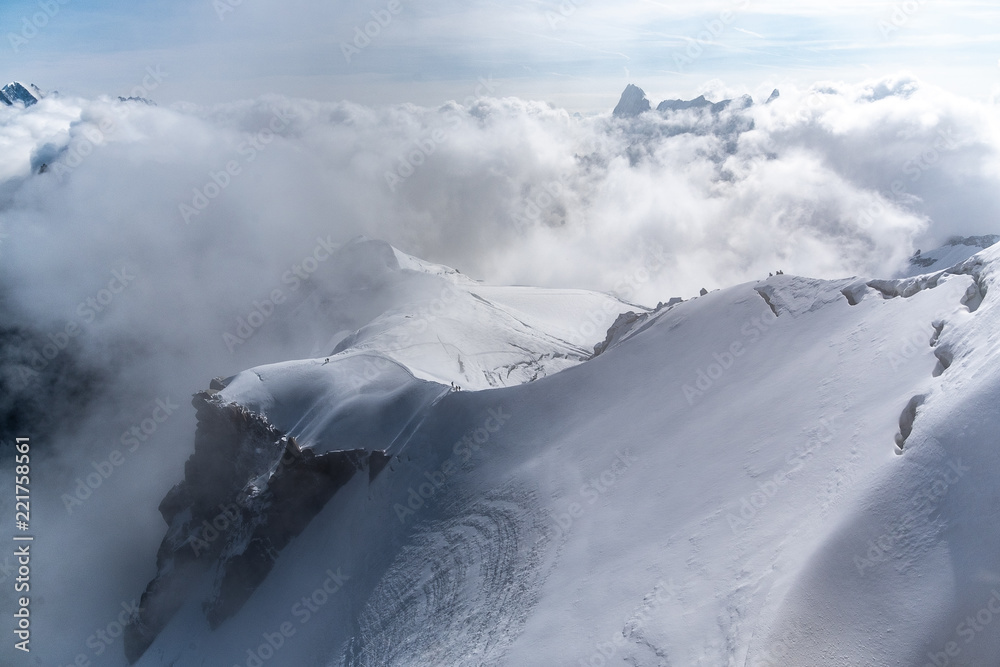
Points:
point(725, 485)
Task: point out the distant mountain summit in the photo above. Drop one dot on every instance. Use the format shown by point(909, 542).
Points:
point(634, 102)
point(136, 100)
point(955, 250)
point(743, 102)
point(16, 92)
point(678, 105)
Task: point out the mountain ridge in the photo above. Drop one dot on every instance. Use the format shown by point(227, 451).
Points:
point(633, 102)
point(758, 423)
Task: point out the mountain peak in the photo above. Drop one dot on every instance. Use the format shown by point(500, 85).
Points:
point(16, 92)
point(742, 102)
point(676, 105)
point(955, 250)
point(632, 103)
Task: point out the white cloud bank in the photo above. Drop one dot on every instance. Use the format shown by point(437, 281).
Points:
point(201, 211)
point(835, 180)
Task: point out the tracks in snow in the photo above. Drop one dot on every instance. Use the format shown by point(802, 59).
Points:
point(460, 593)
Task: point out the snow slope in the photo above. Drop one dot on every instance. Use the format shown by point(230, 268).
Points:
point(741, 479)
point(956, 250)
point(444, 327)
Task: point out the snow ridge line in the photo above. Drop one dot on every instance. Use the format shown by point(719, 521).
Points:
point(767, 299)
point(945, 353)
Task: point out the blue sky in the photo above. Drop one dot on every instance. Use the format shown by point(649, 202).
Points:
point(577, 54)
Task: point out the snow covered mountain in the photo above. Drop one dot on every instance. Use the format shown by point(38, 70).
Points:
point(786, 472)
point(257, 436)
point(744, 102)
point(726, 119)
point(634, 102)
point(441, 326)
point(957, 249)
point(15, 92)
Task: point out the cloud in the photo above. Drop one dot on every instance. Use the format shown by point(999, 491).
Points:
point(221, 50)
point(153, 229)
point(503, 188)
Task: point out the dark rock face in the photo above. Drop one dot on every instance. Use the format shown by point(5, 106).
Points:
point(632, 103)
point(295, 494)
point(41, 385)
point(975, 241)
point(981, 242)
point(15, 92)
point(248, 490)
point(677, 105)
point(137, 100)
point(726, 119)
point(743, 102)
point(622, 325)
point(629, 323)
point(917, 260)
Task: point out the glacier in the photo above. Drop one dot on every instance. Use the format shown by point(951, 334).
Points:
point(743, 478)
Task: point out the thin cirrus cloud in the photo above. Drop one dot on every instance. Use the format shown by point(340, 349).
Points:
point(574, 53)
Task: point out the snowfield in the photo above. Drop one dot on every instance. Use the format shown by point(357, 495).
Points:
point(784, 472)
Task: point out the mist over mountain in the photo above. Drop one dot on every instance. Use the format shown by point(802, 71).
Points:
point(311, 383)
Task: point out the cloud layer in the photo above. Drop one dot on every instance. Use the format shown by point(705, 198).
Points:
point(835, 180)
point(150, 230)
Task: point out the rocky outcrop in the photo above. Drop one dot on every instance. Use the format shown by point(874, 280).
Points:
point(136, 100)
point(622, 324)
point(981, 242)
point(632, 103)
point(14, 92)
point(679, 105)
point(248, 489)
point(628, 323)
point(955, 249)
point(700, 102)
point(739, 103)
